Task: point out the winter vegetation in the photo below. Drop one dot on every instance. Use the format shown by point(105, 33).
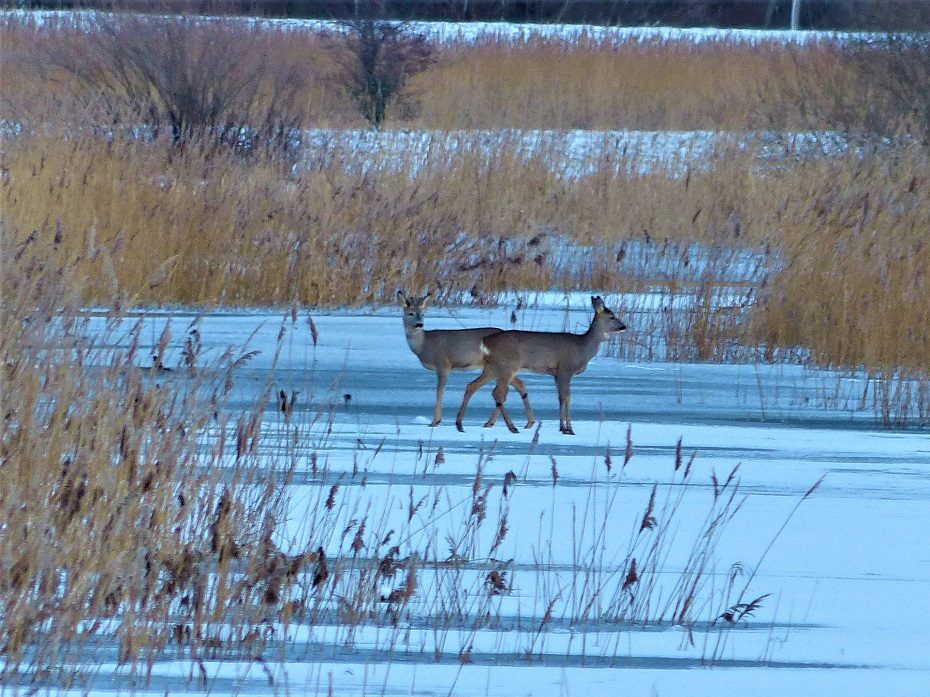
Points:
point(217, 469)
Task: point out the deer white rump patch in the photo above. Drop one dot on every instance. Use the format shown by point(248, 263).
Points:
point(484, 349)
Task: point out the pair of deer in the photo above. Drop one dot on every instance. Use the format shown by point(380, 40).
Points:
point(502, 354)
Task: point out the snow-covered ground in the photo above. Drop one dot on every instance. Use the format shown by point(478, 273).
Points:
point(571, 153)
point(566, 154)
point(849, 576)
point(509, 31)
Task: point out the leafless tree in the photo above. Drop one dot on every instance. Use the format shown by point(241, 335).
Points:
point(189, 77)
point(377, 57)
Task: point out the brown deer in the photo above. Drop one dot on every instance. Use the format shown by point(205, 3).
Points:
point(560, 354)
point(445, 350)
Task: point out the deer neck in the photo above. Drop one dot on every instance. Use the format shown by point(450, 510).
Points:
point(416, 338)
point(592, 339)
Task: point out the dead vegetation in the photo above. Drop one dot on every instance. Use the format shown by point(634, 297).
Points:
point(744, 255)
point(119, 525)
point(791, 243)
point(589, 82)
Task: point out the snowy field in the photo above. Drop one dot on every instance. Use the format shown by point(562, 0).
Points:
point(509, 31)
point(570, 154)
point(848, 576)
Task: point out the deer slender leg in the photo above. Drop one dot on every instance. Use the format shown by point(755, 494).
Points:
point(520, 387)
point(472, 387)
point(563, 385)
point(568, 415)
point(441, 376)
point(497, 407)
point(500, 396)
point(558, 388)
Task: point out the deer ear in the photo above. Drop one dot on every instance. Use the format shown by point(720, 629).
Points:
point(597, 303)
point(425, 299)
point(402, 298)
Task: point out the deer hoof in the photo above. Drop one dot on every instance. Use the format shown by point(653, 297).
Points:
point(436, 422)
point(458, 425)
point(513, 429)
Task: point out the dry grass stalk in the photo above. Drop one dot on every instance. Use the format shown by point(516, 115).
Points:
point(121, 518)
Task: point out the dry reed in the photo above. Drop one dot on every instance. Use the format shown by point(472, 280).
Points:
point(120, 529)
point(839, 269)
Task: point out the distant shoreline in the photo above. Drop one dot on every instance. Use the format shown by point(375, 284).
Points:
point(824, 15)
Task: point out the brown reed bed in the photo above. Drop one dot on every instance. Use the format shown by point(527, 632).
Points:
point(857, 256)
point(836, 245)
point(597, 83)
point(120, 528)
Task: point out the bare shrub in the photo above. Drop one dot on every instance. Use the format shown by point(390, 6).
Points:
point(189, 77)
point(378, 57)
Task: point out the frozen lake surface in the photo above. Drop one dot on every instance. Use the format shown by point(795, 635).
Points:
point(849, 576)
point(506, 31)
